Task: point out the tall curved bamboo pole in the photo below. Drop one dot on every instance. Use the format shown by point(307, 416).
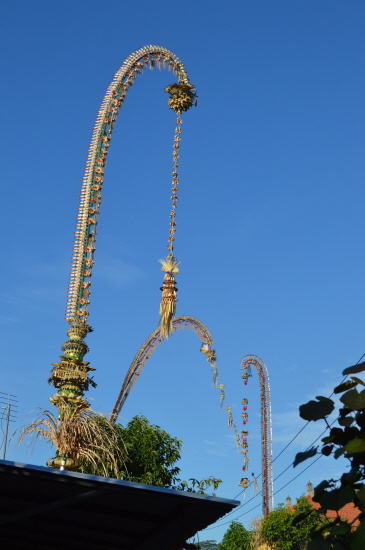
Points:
point(71, 375)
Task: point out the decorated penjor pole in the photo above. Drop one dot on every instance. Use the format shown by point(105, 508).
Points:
point(71, 376)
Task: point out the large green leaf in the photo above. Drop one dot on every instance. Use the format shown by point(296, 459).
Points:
point(356, 368)
point(360, 495)
point(345, 386)
point(358, 380)
point(338, 452)
point(355, 446)
point(300, 457)
point(327, 450)
point(357, 538)
point(336, 499)
point(342, 528)
point(346, 421)
point(315, 410)
point(354, 400)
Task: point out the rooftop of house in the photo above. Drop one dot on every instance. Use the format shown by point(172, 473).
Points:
point(42, 508)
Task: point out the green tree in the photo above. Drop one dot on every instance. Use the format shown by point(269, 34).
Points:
point(149, 455)
point(236, 538)
point(348, 440)
point(208, 545)
point(277, 527)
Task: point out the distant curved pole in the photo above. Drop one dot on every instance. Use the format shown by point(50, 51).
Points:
point(149, 346)
point(266, 428)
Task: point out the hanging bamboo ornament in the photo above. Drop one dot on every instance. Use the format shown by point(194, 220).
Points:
point(222, 395)
point(230, 417)
point(182, 97)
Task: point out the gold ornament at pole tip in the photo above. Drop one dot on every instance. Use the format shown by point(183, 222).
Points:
point(182, 96)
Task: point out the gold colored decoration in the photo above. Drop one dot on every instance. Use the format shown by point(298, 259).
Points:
point(182, 96)
point(167, 304)
point(244, 482)
point(71, 375)
point(211, 357)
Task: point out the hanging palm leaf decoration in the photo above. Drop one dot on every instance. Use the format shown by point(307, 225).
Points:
point(222, 395)
point(182, 97)
point(230, 417)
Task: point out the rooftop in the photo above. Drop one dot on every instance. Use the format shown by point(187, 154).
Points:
point(43, 508)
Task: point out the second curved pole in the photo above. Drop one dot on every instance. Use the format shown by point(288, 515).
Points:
point(149, 346)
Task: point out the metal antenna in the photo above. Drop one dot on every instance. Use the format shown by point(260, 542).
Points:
point(7, 407)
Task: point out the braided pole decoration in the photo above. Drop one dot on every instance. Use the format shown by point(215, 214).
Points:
point(149, 346)
point(70, 376)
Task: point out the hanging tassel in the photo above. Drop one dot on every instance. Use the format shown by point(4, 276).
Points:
point(245, 460)
point(222, 395)
point(168, 299)
point(238, 442)
point(215, 375)
point(255, 486)
point(230, 417)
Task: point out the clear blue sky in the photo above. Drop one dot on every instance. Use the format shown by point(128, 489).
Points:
point(270, 214)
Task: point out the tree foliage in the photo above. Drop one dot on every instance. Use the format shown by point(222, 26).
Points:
point(348, 440)
point(236, 538)
point(150, 455)
point(208, 545)
point(279, 528)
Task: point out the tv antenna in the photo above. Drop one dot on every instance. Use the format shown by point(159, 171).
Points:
point(8, 406)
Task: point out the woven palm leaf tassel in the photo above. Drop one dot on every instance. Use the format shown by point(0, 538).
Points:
point(230, 417)
point(168, 298)
point(222, 395)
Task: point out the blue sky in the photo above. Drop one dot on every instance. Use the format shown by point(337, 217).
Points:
point(270, 213)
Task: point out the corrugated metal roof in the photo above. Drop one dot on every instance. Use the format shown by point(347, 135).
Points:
point(46, 509)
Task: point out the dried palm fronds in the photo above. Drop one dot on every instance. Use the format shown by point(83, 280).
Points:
point(83, 435)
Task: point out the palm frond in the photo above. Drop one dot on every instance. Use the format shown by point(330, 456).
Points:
point(84, 434)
